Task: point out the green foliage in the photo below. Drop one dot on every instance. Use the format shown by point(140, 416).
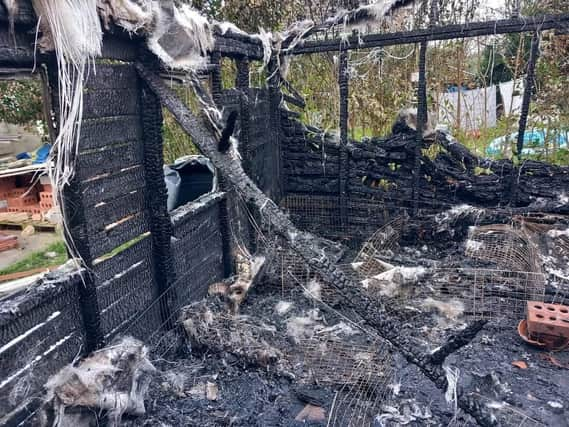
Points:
point(39, 259)
point(177, 143)
point(21, 102)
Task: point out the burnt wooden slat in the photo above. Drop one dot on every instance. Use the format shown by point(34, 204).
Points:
point(139, 295)
point(105, 241)
point(109, 159)
point(110, 103)
point(114, 210)
point(111, 76)
point(99, 132)
point(112, 290)
point(112, 186)
point(108, 268)
point(19, 54)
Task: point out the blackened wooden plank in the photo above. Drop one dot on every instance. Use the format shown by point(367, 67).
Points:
point(108, 268)
point(109, 159)
point(112, 76)
point(99, 132)
point(105, 241)
point(109, 187)
point(105, 213)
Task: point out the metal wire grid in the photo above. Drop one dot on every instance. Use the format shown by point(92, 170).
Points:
point(504, 246)
point(361, 374)
point(379, 244)
point(488, 293)
point(321, 215)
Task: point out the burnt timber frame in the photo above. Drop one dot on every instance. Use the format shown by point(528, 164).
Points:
point(440, 32)
point(516, 24)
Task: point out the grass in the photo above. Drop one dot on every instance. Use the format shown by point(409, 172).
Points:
point(39, 259)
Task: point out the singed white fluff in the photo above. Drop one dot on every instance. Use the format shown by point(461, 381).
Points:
point(196, 34)
point(130, 15)
point(283, 307)
point(558, 233)
point(451, 394)
point(451, 309)
point(391, 281)
point(313, 290)
point(340, 329)
point(474, 245)
point(304, 326)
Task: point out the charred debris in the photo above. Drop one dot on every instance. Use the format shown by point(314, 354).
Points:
point(355, 292)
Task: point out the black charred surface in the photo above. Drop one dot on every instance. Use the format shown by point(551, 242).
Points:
point(307, 246)
point(457, 341)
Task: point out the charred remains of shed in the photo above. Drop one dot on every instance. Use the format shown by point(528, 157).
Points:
point(369, 267)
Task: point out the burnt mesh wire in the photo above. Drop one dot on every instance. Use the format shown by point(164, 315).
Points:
point(505, 246)
point(321, 215)
point(360, 374)
point(380, 244)
point(489, 293)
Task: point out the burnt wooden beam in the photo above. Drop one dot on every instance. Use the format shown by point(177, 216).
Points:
point(526, 101)
point(443, 32)
point(308, 246)
point(343, 82)
point(528, 90)
point(456, 341)
point(421, 121)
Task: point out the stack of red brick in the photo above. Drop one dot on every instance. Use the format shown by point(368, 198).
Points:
point(34, 199)
point(7, 242)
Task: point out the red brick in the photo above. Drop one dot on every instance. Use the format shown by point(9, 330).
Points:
point(548, 319)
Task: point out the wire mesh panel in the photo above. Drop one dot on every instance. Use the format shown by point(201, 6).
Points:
point(488, 293)
point(317, 214)
point(381, 243)
point(505, 246)
point(361, 374)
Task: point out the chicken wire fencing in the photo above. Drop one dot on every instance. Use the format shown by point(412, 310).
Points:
point(505, 268)
point(360, 374)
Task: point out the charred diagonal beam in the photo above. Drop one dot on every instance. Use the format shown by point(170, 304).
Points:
point(457, 341)
point(446, 32)
point(308, 246)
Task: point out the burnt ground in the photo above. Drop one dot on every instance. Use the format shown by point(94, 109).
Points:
point(252, 395)
point(292, 357)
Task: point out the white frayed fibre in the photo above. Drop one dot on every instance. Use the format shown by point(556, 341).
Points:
point(71, 28)
point(313, 290)
point(181, 38)
point(283, 307)
point(451, 395)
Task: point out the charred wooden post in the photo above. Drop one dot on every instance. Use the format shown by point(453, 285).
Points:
point(242, 83)
point(76, 231)
point(242, 78)
point(160, 224)
point(526, 100)
point(215, 76)
point(309, 247)
point(156, 200)
point(343, 81)
point(275, 100)
point(421, 121)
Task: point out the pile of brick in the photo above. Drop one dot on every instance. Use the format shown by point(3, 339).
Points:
point(8, 241)
point(34, 199)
